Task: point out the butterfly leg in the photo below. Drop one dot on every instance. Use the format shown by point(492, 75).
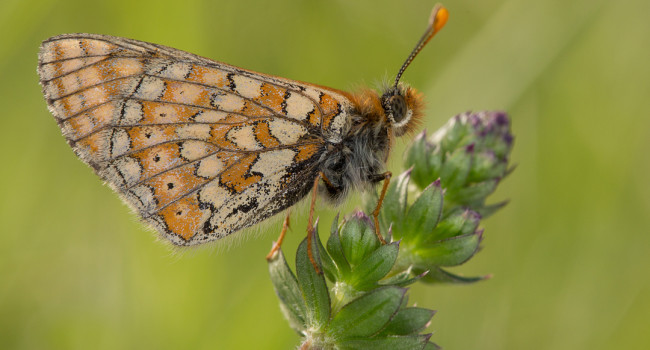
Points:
point(375, 214)
point(278, 243)
point(310, 224)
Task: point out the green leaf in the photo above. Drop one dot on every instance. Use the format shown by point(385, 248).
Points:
point(439, 275)
point(474, 193)
point(423, 175)
point(335, 250)
point(422, 157)
point(408, 321)
point(432, 346)
point(388, 343)
point(488, 210)
point(358, 239)
point(459, 222)
point(456, 167)
point(405, 301)
point(312, 285)
point(451, 135)
point(487, 166)
point(418, 152)
point(366, 315)
point(329, 267)
point(472, 219)
point(286, 287)
point(374, 267)
point(396, 278)
point(424, 214)
point(401, 279)
point(448, 252)
point(394, 206)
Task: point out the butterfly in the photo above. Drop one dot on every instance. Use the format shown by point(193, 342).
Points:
point(202, 149)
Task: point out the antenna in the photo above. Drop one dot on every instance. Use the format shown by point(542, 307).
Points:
point(437, 20)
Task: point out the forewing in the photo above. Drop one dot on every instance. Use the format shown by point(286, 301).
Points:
point(199, 148)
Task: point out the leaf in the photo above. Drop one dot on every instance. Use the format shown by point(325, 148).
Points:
point(374, 267)
point(335, 250)
point(459, 222)
point(487, 166)
point(393, 209)
point(312, 285)
point(366, 315)
point(456, 167)
point(417, 151)
point(424, 214)
point(488, 210)
point(401, 279)
point(432, 346)
point(286, 287)
point(438, 275)
point(451, 134)
point(407, 321)
point(448, 252)
point(329, 267)
point(388, 343)
point(474, 193)
point(358, 239)
point(423, 159)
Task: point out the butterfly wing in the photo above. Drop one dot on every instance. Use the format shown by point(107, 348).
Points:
point(200, 149)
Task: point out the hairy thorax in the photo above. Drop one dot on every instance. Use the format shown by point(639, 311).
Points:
point(357, 161)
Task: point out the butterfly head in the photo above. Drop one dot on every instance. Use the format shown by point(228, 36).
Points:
point(403, 106)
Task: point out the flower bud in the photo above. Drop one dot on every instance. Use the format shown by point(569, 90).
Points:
point(469, 155)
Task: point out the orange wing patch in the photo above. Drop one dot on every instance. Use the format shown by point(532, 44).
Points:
point(184, 217)
point(238, 177)
point(208, 76)
point(272, 97)
point(86, 123)
point(262, 133)
point(307, 151)
point(173, 184)
point(330, 108)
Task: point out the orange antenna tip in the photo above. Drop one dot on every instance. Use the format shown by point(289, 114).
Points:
point(439, 17)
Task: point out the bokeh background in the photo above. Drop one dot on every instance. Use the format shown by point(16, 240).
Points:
point(570, 254)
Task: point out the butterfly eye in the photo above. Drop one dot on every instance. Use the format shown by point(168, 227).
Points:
point(397, 108)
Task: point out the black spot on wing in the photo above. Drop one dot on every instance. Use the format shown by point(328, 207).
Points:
point(245, 207)
point(286, 96)
point(231, 81)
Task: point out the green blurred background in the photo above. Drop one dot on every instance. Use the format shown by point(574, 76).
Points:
point(570, 253)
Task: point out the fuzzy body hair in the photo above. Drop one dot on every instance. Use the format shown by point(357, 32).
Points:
point(358, 161)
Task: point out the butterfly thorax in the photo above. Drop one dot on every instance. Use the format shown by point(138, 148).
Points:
point(358, 161)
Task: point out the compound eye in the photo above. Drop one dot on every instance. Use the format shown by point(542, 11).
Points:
point(397, 108)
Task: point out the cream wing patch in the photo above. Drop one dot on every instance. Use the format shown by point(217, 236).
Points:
point(172, 70)
point(274, 162)
point(210, 167)
point(247, 87)
point(149, 89)
point(244, 137)
point(298, 106)
point(285, 131)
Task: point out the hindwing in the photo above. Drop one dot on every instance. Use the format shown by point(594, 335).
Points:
point(199, 148)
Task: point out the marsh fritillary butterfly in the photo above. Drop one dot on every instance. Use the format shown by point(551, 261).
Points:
point(202, 149)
